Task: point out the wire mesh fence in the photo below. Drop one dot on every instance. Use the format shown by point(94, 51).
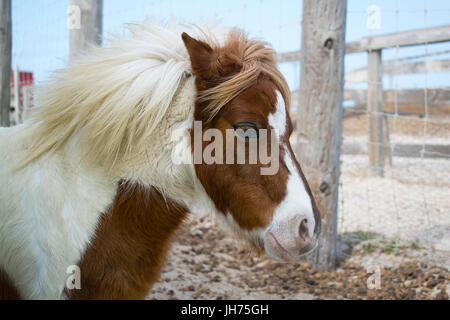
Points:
point(404, 214)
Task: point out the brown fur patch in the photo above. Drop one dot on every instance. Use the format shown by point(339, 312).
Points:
point(125, 257)
point(7, 290)
point(241, 190)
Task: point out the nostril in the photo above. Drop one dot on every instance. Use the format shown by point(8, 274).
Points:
point(304, 231)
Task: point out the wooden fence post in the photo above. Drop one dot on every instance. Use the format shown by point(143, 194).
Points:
point(319, 123)
point(5, 62)
point(85, 24)
point(16, 93)
point(375, 112)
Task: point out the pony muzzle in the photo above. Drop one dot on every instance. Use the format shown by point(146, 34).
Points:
point(289, 241)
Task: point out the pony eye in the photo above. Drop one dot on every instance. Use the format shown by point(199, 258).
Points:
point(246, 130)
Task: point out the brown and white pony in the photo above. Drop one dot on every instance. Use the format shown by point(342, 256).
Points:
point(89, 182)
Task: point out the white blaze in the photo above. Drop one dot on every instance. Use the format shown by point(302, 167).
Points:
point(297, 203)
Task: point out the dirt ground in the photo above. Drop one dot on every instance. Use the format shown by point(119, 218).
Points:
point(397, 227)
point(206, 263)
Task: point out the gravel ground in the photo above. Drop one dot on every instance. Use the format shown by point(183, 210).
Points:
point(205, 263)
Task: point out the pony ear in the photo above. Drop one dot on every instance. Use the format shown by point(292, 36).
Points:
point(202, 57)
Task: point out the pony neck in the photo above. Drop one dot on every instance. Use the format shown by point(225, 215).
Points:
point(126, 255)
point(153, 196)
point(155, 166)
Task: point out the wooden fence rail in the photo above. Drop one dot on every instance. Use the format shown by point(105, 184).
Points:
point(393, 40)
point(409, 101)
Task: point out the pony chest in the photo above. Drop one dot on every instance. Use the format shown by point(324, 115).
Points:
point(58, 213)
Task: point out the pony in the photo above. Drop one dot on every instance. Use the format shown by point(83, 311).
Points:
point(89, 181)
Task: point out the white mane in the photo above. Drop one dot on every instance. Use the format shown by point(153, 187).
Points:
point(114, 97)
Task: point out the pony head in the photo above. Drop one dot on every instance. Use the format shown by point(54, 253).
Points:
point(241, 149)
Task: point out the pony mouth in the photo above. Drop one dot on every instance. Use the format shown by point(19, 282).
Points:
point(308, 248)
point(276, 251)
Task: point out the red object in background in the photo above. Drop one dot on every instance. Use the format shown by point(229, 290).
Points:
point(26, 79)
